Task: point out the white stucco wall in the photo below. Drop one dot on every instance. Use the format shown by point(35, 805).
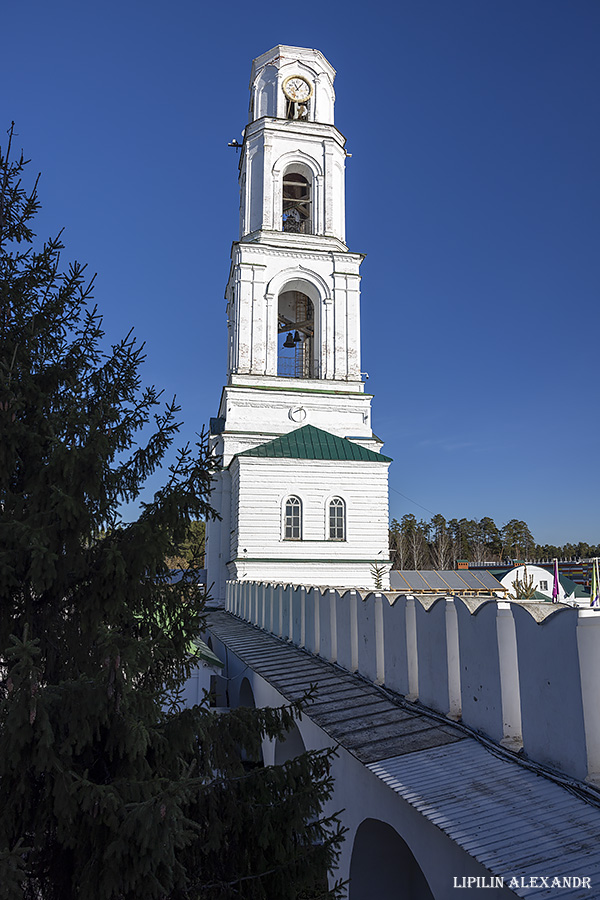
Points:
point(271, 149)
point(259, 490)
point(331, 280)
point(361, 795)
point(257, 412)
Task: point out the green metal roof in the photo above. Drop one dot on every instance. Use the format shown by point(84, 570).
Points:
point(202, 651)
point(309, 442)
point(571, 588)
point(537, 595)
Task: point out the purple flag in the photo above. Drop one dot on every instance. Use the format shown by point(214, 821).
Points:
point(595, 592)
point(555, 591)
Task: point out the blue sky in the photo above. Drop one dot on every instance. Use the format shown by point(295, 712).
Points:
point(473, 188)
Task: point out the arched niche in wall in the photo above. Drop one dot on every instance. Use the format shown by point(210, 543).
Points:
point(246, 699)
point(384, 866)
point(246, 695)
point(264, 96)
point(291, 746)
point(324, 99)
point(217, 692)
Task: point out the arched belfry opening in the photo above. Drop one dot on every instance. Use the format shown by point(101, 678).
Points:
point(296, 336)
point(297, 203)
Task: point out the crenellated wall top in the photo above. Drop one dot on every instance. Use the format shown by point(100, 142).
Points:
point(540, 612)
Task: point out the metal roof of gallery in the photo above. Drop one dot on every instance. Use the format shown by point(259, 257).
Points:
point(511, 818)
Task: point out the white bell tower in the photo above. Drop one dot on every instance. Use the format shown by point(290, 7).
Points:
point(292, 228)
point(294, 349)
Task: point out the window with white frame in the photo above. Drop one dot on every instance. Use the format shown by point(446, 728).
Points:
point(337, 520)
point(292, 521)
point(543, 585)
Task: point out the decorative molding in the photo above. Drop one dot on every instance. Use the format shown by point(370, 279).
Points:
point(296, 156)
point(310, 129)
point(299, 390)
point(298, 249)
point(298, 273)
point(300, 559)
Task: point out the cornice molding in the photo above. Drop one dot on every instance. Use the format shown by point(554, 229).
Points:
point(263, 249)
point(293, 129)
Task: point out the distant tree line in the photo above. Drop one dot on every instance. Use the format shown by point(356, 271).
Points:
point(440, 543)
point(437, 544)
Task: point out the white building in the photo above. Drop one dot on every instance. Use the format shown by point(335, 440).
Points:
point(303, 493)
point(543, 583)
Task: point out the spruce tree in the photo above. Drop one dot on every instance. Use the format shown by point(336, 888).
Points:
point(109, 788)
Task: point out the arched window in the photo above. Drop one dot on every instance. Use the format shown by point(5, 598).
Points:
point(337, 520)
point(292, 522)
point(296, 204)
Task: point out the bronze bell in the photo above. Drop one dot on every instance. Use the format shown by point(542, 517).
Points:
point(289, 341)
point(297, 337)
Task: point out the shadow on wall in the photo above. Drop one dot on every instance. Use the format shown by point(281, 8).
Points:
point(290, 747)
point(383, 866)
point(246, 697)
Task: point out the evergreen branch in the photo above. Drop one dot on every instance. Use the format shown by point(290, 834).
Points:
point(113, 789)
point(281, 868)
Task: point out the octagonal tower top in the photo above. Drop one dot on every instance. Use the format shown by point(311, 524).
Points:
point(292, 83)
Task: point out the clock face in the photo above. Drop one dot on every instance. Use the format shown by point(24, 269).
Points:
point(297, 88)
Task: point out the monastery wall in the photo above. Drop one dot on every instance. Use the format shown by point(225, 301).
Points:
point(526, 676)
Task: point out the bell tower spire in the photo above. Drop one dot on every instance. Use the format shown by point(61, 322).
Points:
point(293, 294)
